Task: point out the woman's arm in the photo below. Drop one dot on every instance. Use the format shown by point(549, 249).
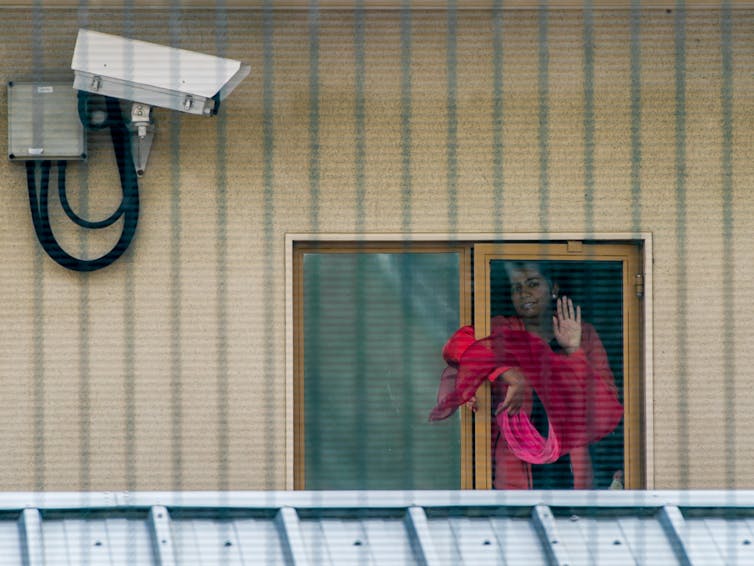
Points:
point(597, 356)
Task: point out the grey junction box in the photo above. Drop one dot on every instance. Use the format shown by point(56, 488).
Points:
point(43, 122)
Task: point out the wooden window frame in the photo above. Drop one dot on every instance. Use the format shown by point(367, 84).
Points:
point(464, 285)
point(638, 398)
point(628, 254)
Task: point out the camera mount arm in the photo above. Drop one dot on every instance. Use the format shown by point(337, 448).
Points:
point(141, 129)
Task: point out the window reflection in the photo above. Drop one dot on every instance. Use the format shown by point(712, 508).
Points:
point(373, 324)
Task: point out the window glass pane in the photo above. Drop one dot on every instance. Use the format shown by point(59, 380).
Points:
point(595, 286)
point(374, 327)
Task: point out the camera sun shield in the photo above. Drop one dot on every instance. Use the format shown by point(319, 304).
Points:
point(153, 74)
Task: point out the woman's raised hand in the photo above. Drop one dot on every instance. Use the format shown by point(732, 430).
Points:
point(566, 325)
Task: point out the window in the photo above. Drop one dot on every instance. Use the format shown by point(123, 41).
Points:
point(602, 280)
point(370, 321)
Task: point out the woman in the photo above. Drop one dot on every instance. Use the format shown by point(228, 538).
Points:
point(550, 377)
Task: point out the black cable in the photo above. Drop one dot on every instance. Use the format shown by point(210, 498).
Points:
point(75, 217)
point(128, 209)
point(85, 113)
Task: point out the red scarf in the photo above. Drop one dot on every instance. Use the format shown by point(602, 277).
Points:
point(581, 407)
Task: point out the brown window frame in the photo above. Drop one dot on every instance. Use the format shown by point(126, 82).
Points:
point(475, 430)
point(464, 284)
point(626, 253)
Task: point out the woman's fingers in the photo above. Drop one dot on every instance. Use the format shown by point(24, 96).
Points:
point(511, 407)
point(566, 324)
point(566, 310)
point(512, 402)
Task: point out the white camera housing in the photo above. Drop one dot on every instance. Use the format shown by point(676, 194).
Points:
point(153, 74)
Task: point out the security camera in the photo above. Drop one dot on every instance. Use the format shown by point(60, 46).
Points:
point(148, 74)
point(47, 123)
point(153, 74)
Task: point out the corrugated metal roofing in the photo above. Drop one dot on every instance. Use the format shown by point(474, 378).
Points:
point(373, 528)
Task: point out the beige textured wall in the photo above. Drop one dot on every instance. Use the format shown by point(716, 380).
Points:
point(166, 370)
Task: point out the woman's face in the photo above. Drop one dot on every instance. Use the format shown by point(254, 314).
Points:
point(530, 293)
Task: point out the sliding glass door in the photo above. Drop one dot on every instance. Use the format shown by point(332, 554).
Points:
point(370, 323)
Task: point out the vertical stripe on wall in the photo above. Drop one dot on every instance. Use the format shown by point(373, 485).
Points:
point(84, 400)
point(452, 141)
point(176, 330)
point(129, 374)
point(129, 330)
point(268, 89)
point(406, 190)
point(361, 390)
point(406, 115)
point(635, 116)
point(729, 313)
point(37, 49)
point(221, 266)
point(588, 118)
point(543, 132)
point(39, 371)
point(498, 174)
point(360, 115)
point(313, 397)
point(314, 156)
point(680, 187)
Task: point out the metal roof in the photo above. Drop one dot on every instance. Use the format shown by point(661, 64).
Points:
point(373, 528)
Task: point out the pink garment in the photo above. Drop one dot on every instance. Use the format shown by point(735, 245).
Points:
point(577, 392)
point(525, 441)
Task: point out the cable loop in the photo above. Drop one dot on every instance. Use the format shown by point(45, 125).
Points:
point(128, 208)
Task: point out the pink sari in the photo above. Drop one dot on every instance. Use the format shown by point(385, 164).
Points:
point(576, 390)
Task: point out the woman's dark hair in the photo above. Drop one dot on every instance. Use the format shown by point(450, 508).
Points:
point(543, 267)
